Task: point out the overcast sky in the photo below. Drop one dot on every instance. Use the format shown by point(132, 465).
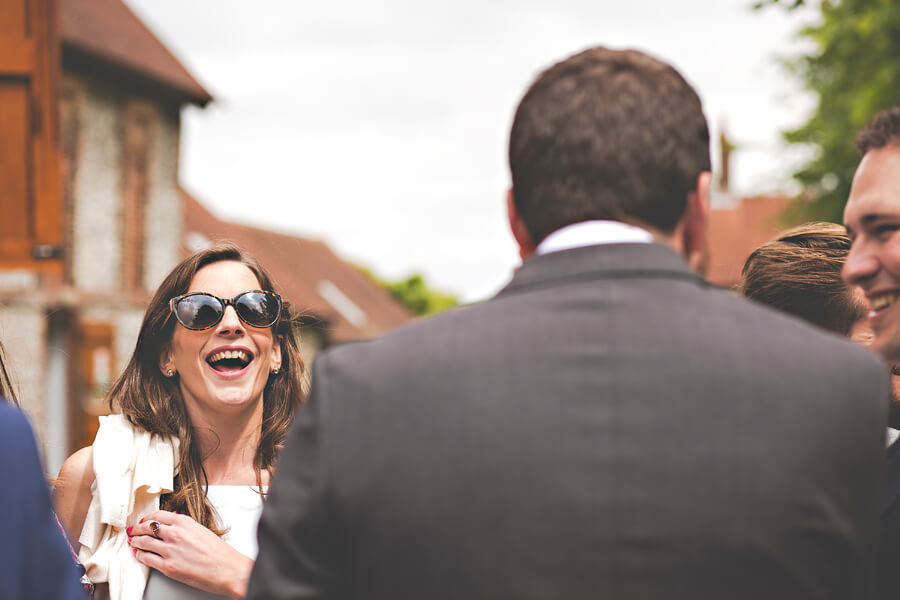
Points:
point(381, 127)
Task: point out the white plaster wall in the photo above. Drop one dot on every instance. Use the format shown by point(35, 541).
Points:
point(23, 333)
point(163, 216)
point(56, 391)
point(18, 280)
point(128, 324)
point(97, 250)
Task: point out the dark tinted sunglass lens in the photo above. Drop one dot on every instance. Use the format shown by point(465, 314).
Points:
point(199, 312)
point(258, 309)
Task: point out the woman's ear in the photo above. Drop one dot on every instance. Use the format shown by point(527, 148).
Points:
point(166, 363)
point(277, 341)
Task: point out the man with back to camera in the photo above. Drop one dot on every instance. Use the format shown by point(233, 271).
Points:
point(608, 425)
point(872, 218)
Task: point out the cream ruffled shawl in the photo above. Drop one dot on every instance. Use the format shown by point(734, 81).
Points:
point(131, 469)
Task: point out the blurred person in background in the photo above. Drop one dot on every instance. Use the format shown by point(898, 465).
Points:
point(799, 272)
point(35, 563)
point(165, 503)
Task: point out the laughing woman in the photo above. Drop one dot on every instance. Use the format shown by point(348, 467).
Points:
point(165, 503)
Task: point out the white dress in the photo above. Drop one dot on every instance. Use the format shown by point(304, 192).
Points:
point(239, 508)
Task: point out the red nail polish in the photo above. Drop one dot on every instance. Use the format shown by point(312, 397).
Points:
point(141, 521)
point(176, 512)
point(128, 531)
point(134, 551)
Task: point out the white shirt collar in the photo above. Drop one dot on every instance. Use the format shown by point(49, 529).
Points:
point(591, 233)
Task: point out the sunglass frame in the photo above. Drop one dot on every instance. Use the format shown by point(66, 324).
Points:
point(225, 303)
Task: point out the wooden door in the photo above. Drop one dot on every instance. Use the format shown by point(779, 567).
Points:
point(30, 202)
point(96, 368)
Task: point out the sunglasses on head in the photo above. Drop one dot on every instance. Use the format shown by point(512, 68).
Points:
point(198, 310)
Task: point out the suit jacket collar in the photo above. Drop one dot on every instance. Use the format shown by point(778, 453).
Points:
point(601, 261)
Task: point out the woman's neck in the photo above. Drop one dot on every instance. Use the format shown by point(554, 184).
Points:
point(228, 445)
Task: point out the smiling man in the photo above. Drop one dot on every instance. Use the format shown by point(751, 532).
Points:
point(872, 217)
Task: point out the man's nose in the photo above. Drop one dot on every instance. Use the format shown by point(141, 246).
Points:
point(860, 265)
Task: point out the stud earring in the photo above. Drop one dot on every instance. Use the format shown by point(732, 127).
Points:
point(275, 370)
point(170, 373)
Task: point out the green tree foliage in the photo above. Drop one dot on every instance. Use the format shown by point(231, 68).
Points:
point(854, 69)
point(415, 294)
point(418, 297)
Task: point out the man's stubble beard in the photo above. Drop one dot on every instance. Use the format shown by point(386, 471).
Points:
point(887, 336)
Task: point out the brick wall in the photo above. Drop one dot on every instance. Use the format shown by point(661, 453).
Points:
point(164, 213)
point(23, 333)
point(127, 218)
point(109, 246)
point(96, 212)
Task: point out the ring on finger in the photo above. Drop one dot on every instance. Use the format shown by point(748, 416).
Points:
point(154, 529)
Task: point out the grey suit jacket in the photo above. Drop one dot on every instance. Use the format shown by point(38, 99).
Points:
point(608, 426)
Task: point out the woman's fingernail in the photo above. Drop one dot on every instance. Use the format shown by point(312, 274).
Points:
point(128, 531)
point(129, 540)
point(176, 512)
point(134, 551)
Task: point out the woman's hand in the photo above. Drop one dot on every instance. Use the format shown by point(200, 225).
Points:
point(190, 553)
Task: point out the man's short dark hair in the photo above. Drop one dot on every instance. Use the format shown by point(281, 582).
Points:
point(800, 273)
point(882, 130)
point(607, 134)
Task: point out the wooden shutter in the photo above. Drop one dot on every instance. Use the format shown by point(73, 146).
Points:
point(30, 203)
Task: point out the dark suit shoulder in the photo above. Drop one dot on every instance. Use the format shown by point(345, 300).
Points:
point(664, 406)
point(808, 342)
point(691, 315)
point(652, 336)
point(33, 551)
point(15, 431)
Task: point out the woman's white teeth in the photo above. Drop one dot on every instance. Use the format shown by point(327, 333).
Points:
point(226, 354)
point(883, 301)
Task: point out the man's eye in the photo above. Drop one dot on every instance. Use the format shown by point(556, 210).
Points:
point(882, 230)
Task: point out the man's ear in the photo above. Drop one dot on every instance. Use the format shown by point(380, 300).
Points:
point(696, 224)
point(519, 229)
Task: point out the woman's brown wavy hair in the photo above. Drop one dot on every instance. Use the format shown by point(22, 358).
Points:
point(7, 393)
point(800, 273)
point(153, 402)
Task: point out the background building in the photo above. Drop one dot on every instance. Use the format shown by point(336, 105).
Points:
point(739, 227)
point(92, 216)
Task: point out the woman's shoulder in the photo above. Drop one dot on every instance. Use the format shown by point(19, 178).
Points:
point(72, 491)
point(75, 477)
point(78, 467)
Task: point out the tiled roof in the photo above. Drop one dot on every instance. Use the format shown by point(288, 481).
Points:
point(308, 274)
point(108, 30)
point(736, 232)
